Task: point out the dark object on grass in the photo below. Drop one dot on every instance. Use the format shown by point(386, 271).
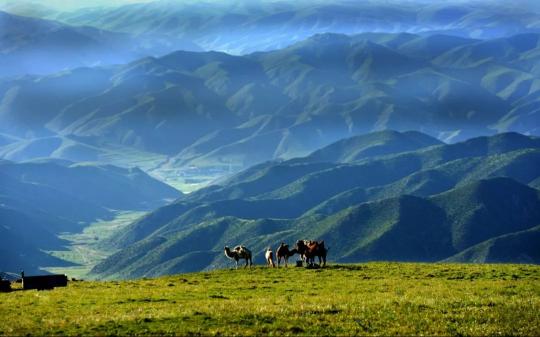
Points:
point(43, 282)
point(299, 263)
point(5, 286)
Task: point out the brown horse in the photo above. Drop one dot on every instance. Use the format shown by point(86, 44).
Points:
point(284, 253)
point(311, 249)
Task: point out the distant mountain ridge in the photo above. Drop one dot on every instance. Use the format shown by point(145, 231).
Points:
point(242, 27)
point(427, 204)
point(370, 145)
point(37, 46)
point(218, 111)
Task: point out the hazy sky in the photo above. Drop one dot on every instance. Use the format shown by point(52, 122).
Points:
point(69, 5)
point(74, 4)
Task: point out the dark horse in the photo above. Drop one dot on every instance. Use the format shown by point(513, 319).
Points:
point(311, 249)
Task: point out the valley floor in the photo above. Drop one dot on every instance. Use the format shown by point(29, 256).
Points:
point(363, 299)
point(86, 249)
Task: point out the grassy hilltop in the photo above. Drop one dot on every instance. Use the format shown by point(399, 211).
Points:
point(366, 299)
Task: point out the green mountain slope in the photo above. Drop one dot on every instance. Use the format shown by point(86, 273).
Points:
point(520, 165)
point(400, 229)
point(364, 211)
point(488, 208)
point(370, 145)
point(290, 188)
point(520, 247)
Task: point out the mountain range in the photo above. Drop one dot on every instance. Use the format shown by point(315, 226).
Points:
point(242, 27)
point(38, 46)
point(218, 111)
point(427, 202)
point(396, 130)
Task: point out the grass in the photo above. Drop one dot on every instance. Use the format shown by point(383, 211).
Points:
point(186, 185)
point(185, 179)
point(367, 299)
point(85, 249)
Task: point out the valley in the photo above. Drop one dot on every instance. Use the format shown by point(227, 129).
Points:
point(86, 249)
point(49, 204)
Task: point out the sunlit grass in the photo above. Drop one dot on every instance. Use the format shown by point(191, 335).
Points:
point(368, 299)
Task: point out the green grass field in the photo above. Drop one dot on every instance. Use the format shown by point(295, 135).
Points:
point(367, 299)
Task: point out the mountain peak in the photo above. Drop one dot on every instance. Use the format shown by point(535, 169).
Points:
point(373, 144)
point(330, 38)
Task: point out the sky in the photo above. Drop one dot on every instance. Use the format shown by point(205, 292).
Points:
point(87, 3)
point(70, 5)
point(67, 5)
